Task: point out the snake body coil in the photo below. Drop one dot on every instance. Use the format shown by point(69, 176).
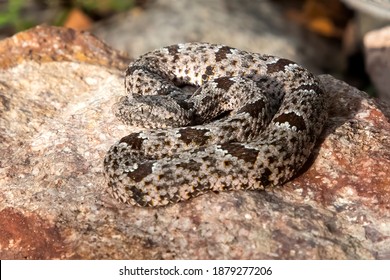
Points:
point(251, 123)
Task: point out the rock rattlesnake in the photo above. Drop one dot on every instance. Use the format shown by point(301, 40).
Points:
point(250, 124)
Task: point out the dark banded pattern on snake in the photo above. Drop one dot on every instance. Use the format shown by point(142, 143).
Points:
point(251, 124)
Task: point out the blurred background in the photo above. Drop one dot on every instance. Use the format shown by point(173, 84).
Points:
point(349, 39)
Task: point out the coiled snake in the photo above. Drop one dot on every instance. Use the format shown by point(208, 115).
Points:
point(250, 124)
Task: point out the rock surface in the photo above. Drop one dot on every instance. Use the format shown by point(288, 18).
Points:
point(56, 126)
point(377, 55)
point(258, 26)
point(379, 9)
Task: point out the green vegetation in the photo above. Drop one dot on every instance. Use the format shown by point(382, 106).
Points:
point(12, 16)
point(22, 14)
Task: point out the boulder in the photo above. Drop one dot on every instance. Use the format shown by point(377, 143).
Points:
point(57, 90)
point(377, 60)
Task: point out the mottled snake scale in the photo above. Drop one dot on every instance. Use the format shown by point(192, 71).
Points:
point(216, 118)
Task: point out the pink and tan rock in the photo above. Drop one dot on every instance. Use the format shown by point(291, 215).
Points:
point(56, 126)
